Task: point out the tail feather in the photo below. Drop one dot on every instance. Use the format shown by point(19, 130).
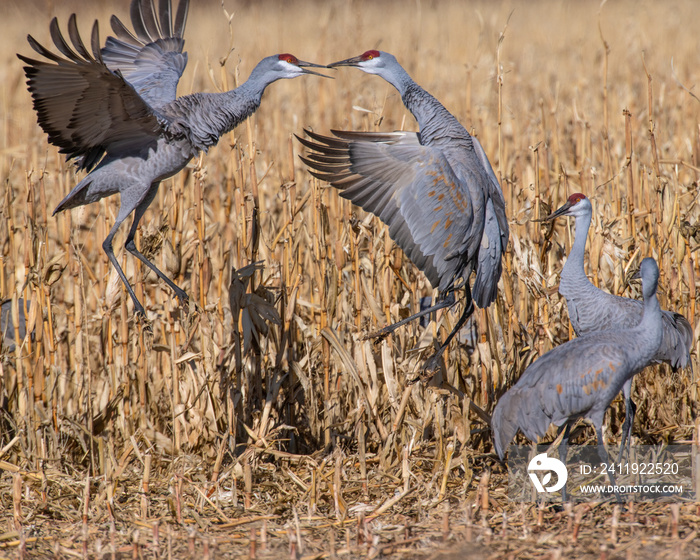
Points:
point(677, 341)
point(77, 197)
point(687, 337)
point(504, 422)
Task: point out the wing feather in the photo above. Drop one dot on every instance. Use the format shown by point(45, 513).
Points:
point(489, 268)
point(165, 17)
point(151, 60)
point(83, 106)
point(122, 32)
point(495, 193)
point(180, 19)
point(411, 188)
point(60, 42)
point(76, 40)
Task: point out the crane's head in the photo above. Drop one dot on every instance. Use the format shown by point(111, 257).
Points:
point(372, 62)
point(649, 273)
point(284, 66)
point(576, 205)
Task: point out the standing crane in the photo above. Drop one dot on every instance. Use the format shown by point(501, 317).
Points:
point(435, 190)
point(580, 378)
point(115, 111)
point(592, 309)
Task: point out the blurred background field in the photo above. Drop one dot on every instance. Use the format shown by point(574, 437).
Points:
point(259, 421)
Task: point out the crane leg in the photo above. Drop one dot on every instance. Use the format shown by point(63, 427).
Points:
point(107, 247)
point(604, 458)
point(131, 246)
point(433, 363)
point(563, 448)
point(447, 301)
point(630, 411)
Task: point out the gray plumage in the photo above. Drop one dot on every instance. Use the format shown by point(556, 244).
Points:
point(580, 378)
point(592, 309)
point(115, 110)
point(435, 189)
point(7, 324)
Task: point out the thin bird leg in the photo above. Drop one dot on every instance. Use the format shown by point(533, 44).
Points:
point(107, 248)
point(432, 363)
point(563, 448)
point(447, 301)
point(630, 411)
point(131, 246)
point(605, 458)
point(564, 445)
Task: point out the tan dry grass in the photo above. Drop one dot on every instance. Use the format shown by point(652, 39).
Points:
point(94, 394)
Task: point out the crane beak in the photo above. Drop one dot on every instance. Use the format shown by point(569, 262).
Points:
point(560, 212)
point(354, 61)
point(305, 65)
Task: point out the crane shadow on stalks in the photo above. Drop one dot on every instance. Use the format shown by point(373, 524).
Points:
point(253, 315)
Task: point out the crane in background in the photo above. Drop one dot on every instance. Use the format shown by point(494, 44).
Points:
point(592, 309)
point(580, 378)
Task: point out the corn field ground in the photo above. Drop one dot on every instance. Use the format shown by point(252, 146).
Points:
point(258, 422)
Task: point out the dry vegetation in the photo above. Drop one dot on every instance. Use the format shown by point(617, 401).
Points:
point(258, 422)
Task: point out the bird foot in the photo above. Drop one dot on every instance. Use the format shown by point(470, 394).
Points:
point(194, 307)
point(379, 335)
point(619, 501)
point(140, 312)
point(430, 368)
point(413, 379)
point(182, 297)
point(140, 316)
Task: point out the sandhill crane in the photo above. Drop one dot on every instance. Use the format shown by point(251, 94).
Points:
point(592, 309)
point(435, 190)
point(580, 378)
point(115, 111)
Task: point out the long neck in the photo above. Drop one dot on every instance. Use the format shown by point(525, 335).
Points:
point(436, 123)
point(238, 104)
point(573, 271)
point(650, 330)
point(652, 310)
point(209, 115)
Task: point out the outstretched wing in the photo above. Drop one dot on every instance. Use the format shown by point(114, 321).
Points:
point(410, 187)
point(151, 58)
point(84, 107)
